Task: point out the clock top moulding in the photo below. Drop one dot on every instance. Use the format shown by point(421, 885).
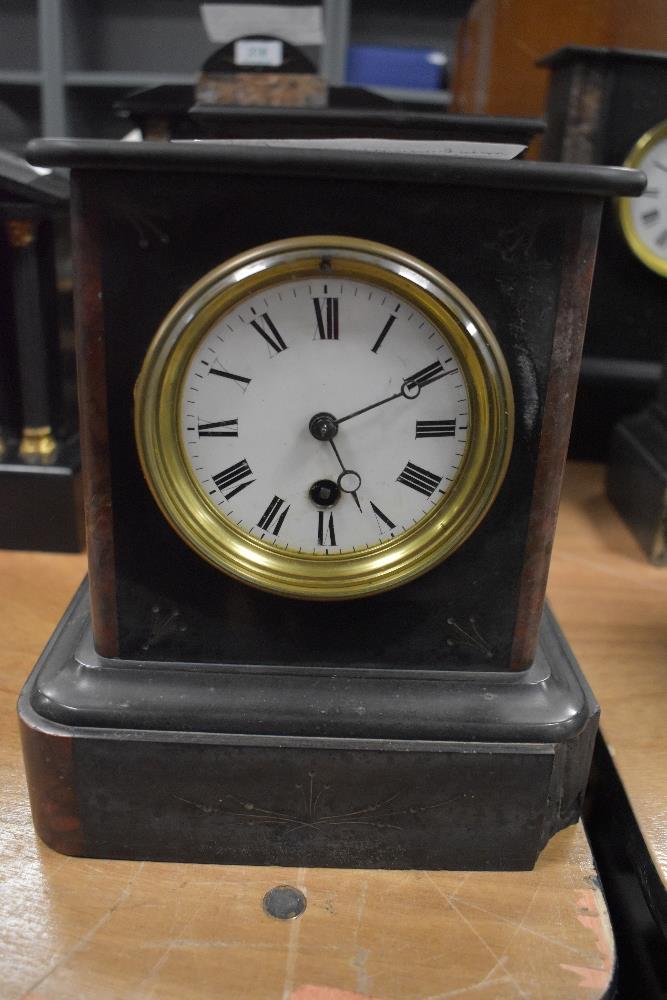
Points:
point(131, 169)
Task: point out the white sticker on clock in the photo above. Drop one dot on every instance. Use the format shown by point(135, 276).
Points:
point(258, 52)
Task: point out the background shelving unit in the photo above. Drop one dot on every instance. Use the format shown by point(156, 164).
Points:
point(20, 72)
point(64, 62)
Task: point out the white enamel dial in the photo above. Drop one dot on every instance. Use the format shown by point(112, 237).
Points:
point(644, 219)
point(261, 388)
point(324, 417)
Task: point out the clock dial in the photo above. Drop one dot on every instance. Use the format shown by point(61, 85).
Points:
point(644, 219)
point(324, 417)
point(343, 383)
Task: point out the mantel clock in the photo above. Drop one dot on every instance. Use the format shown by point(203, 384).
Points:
point(607, 105)
point(40, 496)
point(326, 397)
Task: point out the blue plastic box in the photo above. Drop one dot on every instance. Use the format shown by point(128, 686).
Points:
point(394, 66)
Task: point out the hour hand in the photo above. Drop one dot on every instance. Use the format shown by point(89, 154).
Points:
point(348, 481)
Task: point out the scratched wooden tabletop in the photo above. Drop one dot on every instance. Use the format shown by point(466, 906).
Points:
point(612, 604)
point(75, 929)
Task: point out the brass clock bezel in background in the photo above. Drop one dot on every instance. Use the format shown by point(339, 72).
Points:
point(635, 158)
point(383, 566)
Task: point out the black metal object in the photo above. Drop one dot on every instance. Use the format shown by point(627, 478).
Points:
point(31, 240)
point(633, 889)
point(323, 426)
point(284, 902)
point(349, 122)
point(31, 205)
point(325, 493)
point(164, 111)
point(41, 507)
point(21, 182)
point(637, 474)
point(40, 493)
point(344, 164)
point(10, 400)
point(352, 112)
point(600, 102)
point(471, 773)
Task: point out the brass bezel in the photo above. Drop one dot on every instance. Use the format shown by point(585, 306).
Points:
point(386, 565)
point(634, 159)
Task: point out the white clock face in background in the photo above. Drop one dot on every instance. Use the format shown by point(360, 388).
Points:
point(650, 211)
point(644, 219)
point(263, 385)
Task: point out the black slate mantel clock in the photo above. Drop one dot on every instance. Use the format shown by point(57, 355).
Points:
point(40, 495)
point(608, 106)
point(325, 401)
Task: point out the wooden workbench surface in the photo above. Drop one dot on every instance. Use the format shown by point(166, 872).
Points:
point(73, 928)
point(612, 605)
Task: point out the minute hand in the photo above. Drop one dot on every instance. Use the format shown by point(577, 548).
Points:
point(410, 389)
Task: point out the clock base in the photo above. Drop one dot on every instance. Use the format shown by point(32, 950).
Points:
point(637, 478)
point(488, 800)
point(41, 508)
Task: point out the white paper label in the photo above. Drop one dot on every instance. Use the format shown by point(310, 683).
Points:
point(258, 52)
point(414, 147)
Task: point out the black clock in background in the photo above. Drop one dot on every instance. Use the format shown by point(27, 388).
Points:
point(601, 102)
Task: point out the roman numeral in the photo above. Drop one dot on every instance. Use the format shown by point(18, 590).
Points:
point(419, 479)
point(272, 511)
point(662, 238)
point(383, 333)
point(231, 429)
point(427, 375)
point(240, 380)
point(238, 473)
point(324, 528)
point(380, 516)
point(435, 428)
point(270, 335)
point(326, 313)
